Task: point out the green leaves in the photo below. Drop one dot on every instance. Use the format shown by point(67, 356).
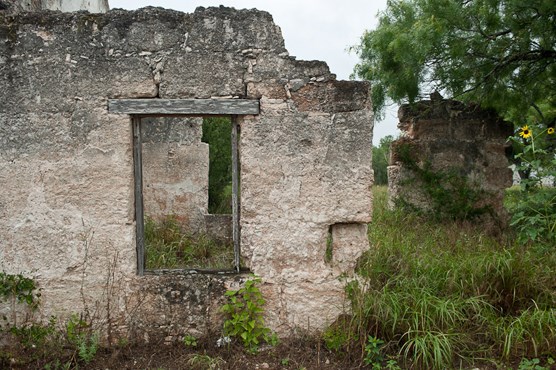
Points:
point(533, 207)
point(217, 133)
point(19, 287)
point(381, 156)
point(499, 53)
point(373, 355)
point(245, 316)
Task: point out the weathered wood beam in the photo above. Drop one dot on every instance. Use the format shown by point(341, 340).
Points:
point(235, 193)
point(139, 216)
point(184, 106)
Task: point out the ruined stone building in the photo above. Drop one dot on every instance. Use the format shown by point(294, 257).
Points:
point(462, 148)
point(86, 102)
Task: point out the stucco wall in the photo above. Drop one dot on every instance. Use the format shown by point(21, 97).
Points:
point(66, 164)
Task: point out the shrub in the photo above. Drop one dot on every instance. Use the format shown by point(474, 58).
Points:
point(244, 312)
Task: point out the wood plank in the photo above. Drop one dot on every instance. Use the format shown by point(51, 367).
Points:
point(184, 106)
point(235, 193)
point(139, 218)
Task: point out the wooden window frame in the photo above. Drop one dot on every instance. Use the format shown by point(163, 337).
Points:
point(140, 108)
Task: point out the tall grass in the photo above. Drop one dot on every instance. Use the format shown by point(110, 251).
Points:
point(440, 294)
point(167, 246)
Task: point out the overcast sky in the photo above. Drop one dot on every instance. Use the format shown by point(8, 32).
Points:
point(312, 30)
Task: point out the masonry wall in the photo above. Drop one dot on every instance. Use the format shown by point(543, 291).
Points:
point(448, 136)
point(16, 6)
point(66, 165)
point(175, 171)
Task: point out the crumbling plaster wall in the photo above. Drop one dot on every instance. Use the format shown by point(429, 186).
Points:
point(175, 171)
point(66, 164)
point(451, 136)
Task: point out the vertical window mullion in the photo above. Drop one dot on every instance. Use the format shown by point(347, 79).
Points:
point(139, 217)
point(235, 192)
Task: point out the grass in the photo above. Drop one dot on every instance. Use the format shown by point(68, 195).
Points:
point(168, 247)
point(441, 294)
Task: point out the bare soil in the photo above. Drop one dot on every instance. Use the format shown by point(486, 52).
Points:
point(302, 353)
point(299, 353)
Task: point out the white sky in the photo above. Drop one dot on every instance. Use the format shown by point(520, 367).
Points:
point(312, 30)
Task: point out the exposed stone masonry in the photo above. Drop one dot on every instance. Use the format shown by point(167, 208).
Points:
point(450, 136)
point(66, 165)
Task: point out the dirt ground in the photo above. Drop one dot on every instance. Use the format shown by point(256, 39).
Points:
point(292, 354)
point(304, 353)
point(283, 356)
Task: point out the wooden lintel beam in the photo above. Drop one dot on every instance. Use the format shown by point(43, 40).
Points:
point(184, 106)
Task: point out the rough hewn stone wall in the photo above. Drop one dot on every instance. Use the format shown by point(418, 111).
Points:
point(66, 164)
point(17, 6)
point(175, 171)
point(451, 137)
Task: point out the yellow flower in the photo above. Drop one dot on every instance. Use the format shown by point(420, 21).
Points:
point(550, 130)
point(525, 132)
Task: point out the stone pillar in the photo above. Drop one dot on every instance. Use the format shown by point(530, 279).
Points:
point(464, 142)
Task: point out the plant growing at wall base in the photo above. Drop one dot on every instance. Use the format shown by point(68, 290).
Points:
point(244, 312)
point(373, 355)
point(35, 335)
point(18, 289)
point(79, 334)
point(437, 294)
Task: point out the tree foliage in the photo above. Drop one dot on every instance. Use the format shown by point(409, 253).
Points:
point(500, 53)
point(217, 133)
point(381, 155)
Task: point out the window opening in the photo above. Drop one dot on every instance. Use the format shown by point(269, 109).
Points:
point(187, 193)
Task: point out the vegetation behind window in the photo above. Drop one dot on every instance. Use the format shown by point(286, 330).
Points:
point(217, 133)
point(180, 231)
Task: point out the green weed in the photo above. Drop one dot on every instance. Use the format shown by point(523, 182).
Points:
point(337, 336)
point(531, 364)
point(80, 335)
point(204, 361)
point(373, 353)
point(244, 312)
point(36, 335)
point(190, 340)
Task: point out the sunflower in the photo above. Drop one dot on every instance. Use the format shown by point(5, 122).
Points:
point(525, 132)
point(550, 130)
